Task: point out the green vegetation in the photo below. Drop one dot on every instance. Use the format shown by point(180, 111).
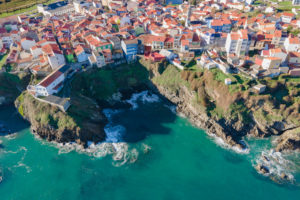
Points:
point(44, 113)
point(14, 7)
point(70, 58)
point(101, 84)
point(170, 78)
point(3, 60)
point(236, 102)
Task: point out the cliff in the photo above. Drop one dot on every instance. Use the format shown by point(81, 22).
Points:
point(11, 86)
point(89, 92)
point(233, 111)
point(82, 123)
point(229, 112)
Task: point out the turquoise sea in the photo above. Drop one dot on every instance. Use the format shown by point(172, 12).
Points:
point(155, 154)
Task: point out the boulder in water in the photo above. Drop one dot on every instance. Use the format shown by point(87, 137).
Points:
point(262, 169)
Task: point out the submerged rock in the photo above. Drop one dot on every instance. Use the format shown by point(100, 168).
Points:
point(262, 169)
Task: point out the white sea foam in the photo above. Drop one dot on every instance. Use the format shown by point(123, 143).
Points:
point(11, 136)
point(145, 97)
point(276, 163)
point(114, 134)
point(219, 141)
point(21, 163)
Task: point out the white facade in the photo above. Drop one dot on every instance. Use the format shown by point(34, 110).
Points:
point(237, 43)
point(35, 52)
point(271, 63)
point(48, 86)
point(292, 44)
point(296, 2)
point(56, 61)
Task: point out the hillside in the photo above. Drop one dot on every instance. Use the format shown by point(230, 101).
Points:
point(11, 86)
point(233, 111)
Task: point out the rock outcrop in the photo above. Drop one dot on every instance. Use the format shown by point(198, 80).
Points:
point(289, 141)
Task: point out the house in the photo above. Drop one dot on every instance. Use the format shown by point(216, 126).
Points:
point(57, 8)
point(294, 58)
point(80, 53)
point(36, 51)
point(116, 42)
point(295, 72)
point(296, 2)
point(52, 84)
point(168, 54)
point(237, 43)
point(184, 45)
point(278, 52)
point(130, 48)
point(287, 17)
point(271, 62)
point(228, 81)
point(54, 55)
point(292, 44)
point(6, 40)
point(156, 57)
point(27, 43)
point(97, 59)
point(260, 88)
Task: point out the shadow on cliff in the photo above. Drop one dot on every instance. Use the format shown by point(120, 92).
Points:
point(148, 119)
point(11, 120)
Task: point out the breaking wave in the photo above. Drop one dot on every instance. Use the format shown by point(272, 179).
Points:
point(145, 97)
point(220, 142)
point(277, 165)
point(120, 152)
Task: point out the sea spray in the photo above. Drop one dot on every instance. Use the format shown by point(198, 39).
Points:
point(220, 142)
point(145, 97)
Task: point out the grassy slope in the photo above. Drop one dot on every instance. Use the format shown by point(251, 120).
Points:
point(100, 84)
point(15, 7)
point(281, 100)
point(10, 85)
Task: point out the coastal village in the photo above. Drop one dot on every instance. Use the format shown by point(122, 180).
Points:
point(66, 37)
point(232, 67)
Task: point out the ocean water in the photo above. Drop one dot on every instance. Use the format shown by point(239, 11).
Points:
point(150, 153)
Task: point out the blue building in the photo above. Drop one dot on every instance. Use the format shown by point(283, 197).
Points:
point(130, 48)
point(174, 2)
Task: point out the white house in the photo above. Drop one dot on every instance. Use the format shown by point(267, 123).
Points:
point(54, 55)
point(52, 84)
point(292, 44)
point(237, 42)
point(97, 59)
point(294, 58)
point(56, 60)
point(287, 17)
point(36, 51)
point(271, 62)
point(27, 43)
point(296, 2)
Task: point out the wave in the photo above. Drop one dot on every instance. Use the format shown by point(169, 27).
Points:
point(277, 165)
point(114, 134)
point(145, 97)
point(220, 142)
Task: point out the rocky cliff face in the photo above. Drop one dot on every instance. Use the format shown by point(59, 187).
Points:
point(52, 124)
point(289, 141)
point(242, 114)
point(182, 98)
